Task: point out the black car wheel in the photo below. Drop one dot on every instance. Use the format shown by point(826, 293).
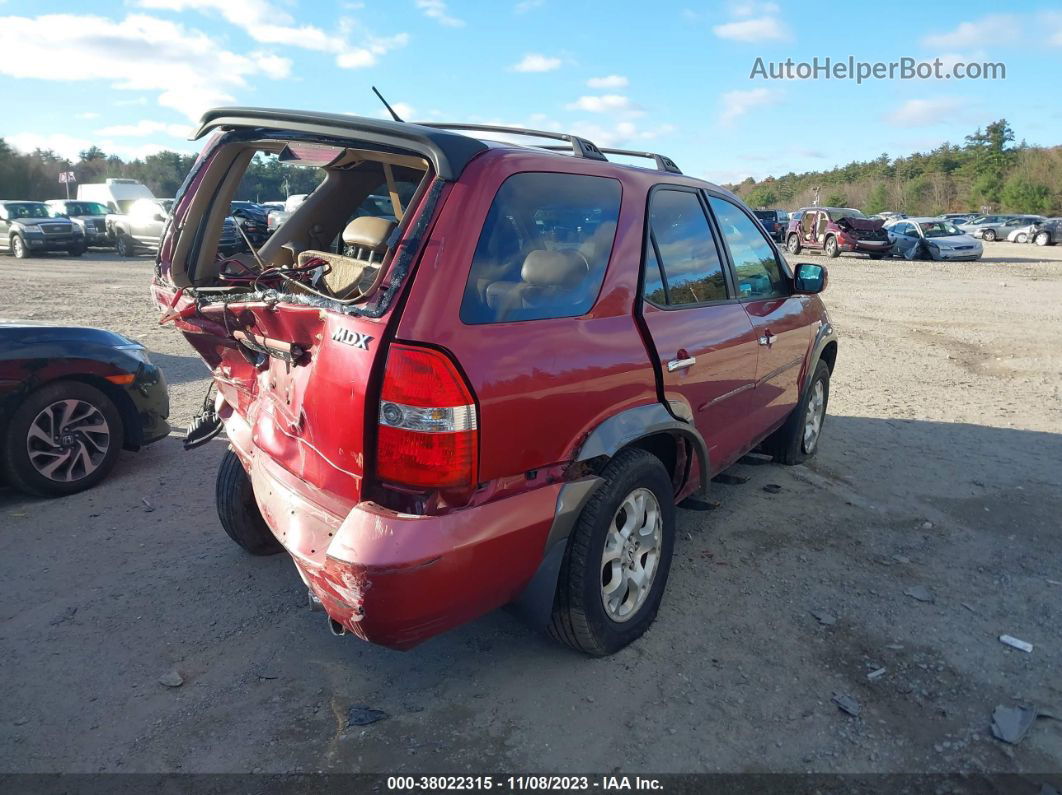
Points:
point(62, 439)
point(618, 557)
point(18, 247)
point(124, 245)
point(792, 245)
point(832, 249)
point(76, 251)
point(989, 235)
point(238, 511)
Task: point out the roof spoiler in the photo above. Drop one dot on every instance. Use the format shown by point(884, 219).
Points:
point(448, 152)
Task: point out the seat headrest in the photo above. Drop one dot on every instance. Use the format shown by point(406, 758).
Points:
point(564, 268)
point(368, 232)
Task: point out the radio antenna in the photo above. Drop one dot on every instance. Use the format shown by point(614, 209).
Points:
point(390, 110)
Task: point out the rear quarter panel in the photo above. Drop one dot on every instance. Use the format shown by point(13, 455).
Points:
point(541, 385)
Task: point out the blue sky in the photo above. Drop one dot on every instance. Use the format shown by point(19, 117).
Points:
point(667, 76)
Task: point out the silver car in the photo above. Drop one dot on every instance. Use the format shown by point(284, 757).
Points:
point(932, 238)
point(997, 227)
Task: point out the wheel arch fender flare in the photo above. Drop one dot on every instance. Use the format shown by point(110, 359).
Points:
point(535, 602)
point(823, 347)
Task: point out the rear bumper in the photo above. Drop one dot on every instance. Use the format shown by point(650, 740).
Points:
point(398, 579)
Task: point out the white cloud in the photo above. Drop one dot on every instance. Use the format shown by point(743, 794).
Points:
point(260, 19)
point(88, 114)
point(753, 30)
point(533, 62)
point(924, 112)
point(187, 70)
point(1052, 23)
point(737, 103)
point(624, 133)
point(144, 128)
point(749, 9)
point(609, 81)
point(991, 29)
point(437, 10)
point(369, 54)
point(528, 5)
point(603, 103)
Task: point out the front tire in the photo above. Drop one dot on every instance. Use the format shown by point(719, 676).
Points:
point(124, 246)
point(77, 251)
point(19, 249)
point(792, 245)
point(618, 557)
point(833, 251)
point(62, 439)
point(798, 439)
point(238, 511)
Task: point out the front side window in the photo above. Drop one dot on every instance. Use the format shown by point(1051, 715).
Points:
point(544, 248)
point(684, 252)
point(759, 274)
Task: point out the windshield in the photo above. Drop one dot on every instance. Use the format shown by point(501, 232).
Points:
point(939, 229)
point(85, 208)
point(28, 210)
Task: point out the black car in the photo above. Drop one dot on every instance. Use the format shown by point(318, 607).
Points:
point(90, 216)
point(253, 219)
point(1046, 232)
point(70, 399)
point(774, 221)
point(28, 228)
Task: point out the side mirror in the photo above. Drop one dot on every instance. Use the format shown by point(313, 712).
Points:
point(809, 279)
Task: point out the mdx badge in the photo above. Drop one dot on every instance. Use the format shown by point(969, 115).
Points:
point(348, 337)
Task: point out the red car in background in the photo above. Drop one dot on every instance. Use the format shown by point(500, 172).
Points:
point(837, 229)
point(500, 392)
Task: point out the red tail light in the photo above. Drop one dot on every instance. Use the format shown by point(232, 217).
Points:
point(427, 435)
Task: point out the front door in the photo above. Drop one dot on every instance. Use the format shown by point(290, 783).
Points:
point(705, 344)
point(783, 322)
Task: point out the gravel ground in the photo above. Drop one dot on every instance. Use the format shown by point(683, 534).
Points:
point(940, 468)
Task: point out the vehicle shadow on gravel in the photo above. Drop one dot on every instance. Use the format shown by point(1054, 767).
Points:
point(180, 369)
point(137, 577)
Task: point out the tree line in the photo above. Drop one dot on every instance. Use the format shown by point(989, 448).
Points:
point(35, 175)
point(987, 172)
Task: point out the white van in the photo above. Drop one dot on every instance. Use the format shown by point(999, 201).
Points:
point(116, 194)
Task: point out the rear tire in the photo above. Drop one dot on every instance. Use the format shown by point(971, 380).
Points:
point(792, 244)
point(62, 439)
point(792, 443)
point(636, 497)
point(238, 510)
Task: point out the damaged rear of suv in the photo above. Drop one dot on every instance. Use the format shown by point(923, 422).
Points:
point(465, 402)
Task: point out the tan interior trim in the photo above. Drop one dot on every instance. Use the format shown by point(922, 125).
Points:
point(392, 189)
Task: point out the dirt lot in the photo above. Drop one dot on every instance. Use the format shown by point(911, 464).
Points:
point(941, 467)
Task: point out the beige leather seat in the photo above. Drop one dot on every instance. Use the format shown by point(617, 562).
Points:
point(555, 280)
point(367, 238)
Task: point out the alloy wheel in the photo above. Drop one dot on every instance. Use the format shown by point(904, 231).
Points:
point(68, 440)
point(631, 555)
point(814, 416)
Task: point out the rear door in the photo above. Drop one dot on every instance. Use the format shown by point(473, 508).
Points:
point(704, 341)
point(782, 321)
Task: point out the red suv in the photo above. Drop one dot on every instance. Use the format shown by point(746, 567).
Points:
point(837, 229)
point(498, 393)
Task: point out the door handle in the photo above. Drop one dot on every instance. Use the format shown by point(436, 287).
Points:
point(767, 339)
point(680, 364)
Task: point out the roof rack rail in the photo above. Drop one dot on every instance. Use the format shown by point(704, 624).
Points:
point(580, 146)
point(663, 162)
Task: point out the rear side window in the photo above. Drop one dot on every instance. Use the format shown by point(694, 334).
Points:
point(688, 267)
point(759, 274)
point(544, 248)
